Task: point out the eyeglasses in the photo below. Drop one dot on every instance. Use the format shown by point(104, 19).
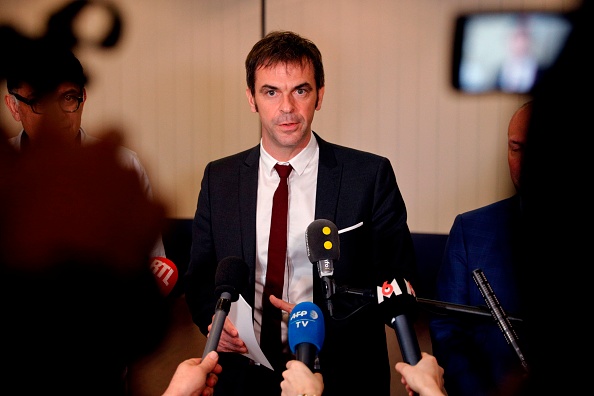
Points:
point(68, 103)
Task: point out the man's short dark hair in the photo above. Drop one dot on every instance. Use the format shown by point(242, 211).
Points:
point(44, 67)
point(283, 47)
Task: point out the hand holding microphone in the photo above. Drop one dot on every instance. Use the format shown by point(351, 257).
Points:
point(397, 301)
point(306, 332)
point(323, 247)
point(231, 277)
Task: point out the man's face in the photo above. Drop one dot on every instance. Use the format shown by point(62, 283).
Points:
point(517, 134)
point(286, 100)
point(54, 126)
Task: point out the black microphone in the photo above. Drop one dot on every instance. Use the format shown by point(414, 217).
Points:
point(230, 278)
point(323, 247)
point(498, 313)
point(306, 332)
point(398, 304)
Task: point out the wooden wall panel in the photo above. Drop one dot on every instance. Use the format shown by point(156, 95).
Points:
point(176, 81)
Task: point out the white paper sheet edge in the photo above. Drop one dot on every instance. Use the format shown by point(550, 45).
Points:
point(240, 314)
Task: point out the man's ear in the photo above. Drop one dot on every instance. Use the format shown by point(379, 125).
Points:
point(13, 106)
point(320, 98)
point(251, 100)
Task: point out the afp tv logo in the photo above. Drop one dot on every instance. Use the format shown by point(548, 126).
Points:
point(303, 317)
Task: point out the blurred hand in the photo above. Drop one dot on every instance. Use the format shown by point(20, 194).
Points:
point(195, 377)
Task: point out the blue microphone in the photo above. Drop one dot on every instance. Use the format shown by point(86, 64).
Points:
point(306, 332)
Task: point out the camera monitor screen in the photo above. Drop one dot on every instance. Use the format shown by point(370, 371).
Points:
point(506, 51)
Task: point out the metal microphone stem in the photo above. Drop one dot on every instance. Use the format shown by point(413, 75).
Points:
point(329, 288)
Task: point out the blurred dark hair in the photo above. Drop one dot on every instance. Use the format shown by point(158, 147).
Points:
point(44, 67)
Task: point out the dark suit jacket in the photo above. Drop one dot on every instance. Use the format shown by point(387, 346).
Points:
point(353, 186)
point(472, 350)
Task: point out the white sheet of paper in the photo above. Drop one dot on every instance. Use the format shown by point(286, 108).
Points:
point(240, 314)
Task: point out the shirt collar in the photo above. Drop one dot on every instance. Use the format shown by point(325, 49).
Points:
point(299, 162)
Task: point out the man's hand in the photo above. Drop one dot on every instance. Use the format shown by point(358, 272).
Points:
point(230, 341)
point(282, 304)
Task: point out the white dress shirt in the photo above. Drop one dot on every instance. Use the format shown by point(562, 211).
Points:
point(298, 283)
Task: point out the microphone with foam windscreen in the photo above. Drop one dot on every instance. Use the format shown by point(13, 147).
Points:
point(398, 304)
point(498, 313)
point(166, 274)
point(323, 247)
point(306, 332)
point(231, 277)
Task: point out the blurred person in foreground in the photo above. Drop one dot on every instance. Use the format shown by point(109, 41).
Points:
point(556, 193)
point(557, 199)
point(46, 94)
point(472, 349)
point(79, 300)
point(556, 236)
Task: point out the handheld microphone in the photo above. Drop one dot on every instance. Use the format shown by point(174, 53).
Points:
point(306, 332)
point(398, 302)
point(166, 274)
point(498, 313)
point(323, 247)
point(230, 278)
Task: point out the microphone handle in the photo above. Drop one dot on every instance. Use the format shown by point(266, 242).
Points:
point(329, 288)
point(221, 311)
point(325, 271)
point(407, 339)
point(306, 353)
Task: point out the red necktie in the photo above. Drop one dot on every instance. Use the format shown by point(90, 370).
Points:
point(270, 335)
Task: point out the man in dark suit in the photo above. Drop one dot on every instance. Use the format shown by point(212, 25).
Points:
point(355, 190)
point(473, 351)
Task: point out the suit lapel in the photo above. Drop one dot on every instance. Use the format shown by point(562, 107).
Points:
point(248, 186)
point(328, 186)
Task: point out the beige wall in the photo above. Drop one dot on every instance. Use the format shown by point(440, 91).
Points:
point(175, 83)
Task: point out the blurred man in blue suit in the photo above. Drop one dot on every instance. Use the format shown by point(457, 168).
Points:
point(472, 350)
